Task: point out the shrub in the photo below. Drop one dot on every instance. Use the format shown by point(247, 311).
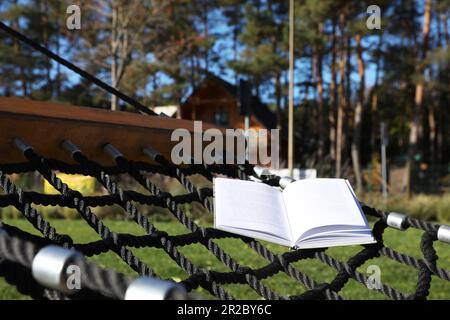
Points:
point(426, 207)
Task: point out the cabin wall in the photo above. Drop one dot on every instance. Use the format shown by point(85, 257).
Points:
point(213, 104)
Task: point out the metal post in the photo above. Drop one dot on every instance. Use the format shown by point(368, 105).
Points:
point(247, 138)
point(246, 123)
point(384, 142)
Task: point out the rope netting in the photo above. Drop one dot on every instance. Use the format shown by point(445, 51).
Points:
point(18, 248)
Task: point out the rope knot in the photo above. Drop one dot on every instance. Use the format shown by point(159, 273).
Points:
point(160, 234)
point(316, 293)
point(65, 240)
point(243, 270)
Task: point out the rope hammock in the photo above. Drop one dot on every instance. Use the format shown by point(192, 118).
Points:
point(19, 250)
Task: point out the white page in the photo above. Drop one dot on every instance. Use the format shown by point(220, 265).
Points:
point(246, 205)
point(318, 203)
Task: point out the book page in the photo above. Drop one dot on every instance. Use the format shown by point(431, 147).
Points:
point(248, 206)
point(324, 205)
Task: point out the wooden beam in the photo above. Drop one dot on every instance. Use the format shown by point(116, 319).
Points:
point(44, 125)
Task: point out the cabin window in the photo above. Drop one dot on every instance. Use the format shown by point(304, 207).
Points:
point(221, 118)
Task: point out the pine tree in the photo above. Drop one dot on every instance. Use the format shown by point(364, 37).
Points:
point(264, 39)
point(419, 95)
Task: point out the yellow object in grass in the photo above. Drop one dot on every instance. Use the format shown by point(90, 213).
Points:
point(83, 184)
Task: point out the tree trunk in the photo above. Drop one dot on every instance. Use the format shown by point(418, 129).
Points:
point(114, 49)
point(357, 121)
point(444, 19)
point(155, 90)
point(236, 29)
point(278, 98)
point(178, 100)
point(342, 95)
point(308, 83)
point(321, 124)
point(432, 130)
point(444, 72)
point(374, 105)
point(45, 37)
point(332, 107)
point(23, 78)
point(418, 99)
point(346, 142)
point(206, 32)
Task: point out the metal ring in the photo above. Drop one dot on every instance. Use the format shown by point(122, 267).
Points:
point(112, 151)
point(152, 153)
point(147, 288)
point(260, 171)
point(70, 147)
point(50, 265)
point(22, 145)
point(443, 233)
point(396, 220)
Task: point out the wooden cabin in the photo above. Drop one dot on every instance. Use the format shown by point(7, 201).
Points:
point(218, 102)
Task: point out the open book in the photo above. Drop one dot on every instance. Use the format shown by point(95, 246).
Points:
point(310, 213)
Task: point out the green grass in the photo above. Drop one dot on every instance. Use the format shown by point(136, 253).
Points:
point(394, 274)
point(422, 206)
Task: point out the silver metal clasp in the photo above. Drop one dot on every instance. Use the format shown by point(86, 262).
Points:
point(443, 233)
point(152, 153)
point(3, 232)
point(147, 288)
point(396, 220)
point(112, 151)
point(261, 171)
point(70, 147)
point(284, 181)
point(49, 267)
point(22, 145)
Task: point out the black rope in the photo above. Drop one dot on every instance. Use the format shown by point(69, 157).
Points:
point(15, 258)
point(182, 176)
point(173, 206)
point(79, 203)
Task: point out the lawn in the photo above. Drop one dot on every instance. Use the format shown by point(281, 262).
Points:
point(397, 275)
